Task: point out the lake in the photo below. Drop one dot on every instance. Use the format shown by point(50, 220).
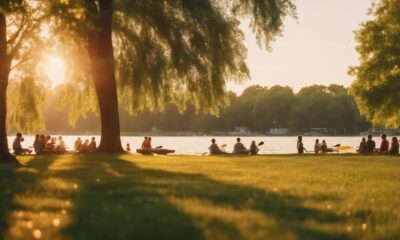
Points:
point(199, 145)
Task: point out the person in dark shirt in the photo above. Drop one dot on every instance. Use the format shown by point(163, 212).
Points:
point(384, 144)
point(17, 147)
point(394, 148)
point(370, 144)
point(363, 146)
point(214, 149)
point(239, 148)
point(300, 146)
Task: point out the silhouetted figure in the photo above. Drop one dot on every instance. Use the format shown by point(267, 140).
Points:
point(17, 147)
point(146, 143)
point(85, 146)
point(50, 146)
point(371, 144)
point(254, 148)
point(60, 148)
point(214, 149)
point(78, 144)
point(317, 146)
point(239, 148)
point(300, 146)
point(92, 145)
point(128, 147)
point(324, 147)
point(363, 146)
point(37, 145)
point(384, 144)
point(394, 148)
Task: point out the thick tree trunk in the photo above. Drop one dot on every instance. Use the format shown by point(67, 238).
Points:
point(5, 65)
point(103, 72)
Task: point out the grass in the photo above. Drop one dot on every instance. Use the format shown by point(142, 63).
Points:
point(191, 197)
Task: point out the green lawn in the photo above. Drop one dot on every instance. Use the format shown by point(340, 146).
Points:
point(191, 197)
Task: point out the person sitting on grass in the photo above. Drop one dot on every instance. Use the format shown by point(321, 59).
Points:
point(60, 148)
point(394, 148)
point(85, 146)
point(128, 147)
point(214, 149)
point(37, 145)
point(371, 144)
point(325, 149)
point(384, 144)
point(50, 146)
point(317, 146)
point(239, 148)
point(253, 148)
point(300, 146)
point(17, 147)
point(363, 146)
point(78, 144)
point(92, 145)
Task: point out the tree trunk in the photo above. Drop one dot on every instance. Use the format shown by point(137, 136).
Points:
point(5, 65)
point(101, 54)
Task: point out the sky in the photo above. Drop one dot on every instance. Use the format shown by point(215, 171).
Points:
point(318, 48)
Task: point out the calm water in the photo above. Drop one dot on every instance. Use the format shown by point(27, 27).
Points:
point(199, 145)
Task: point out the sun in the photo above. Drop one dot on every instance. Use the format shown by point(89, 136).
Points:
point(54, 68)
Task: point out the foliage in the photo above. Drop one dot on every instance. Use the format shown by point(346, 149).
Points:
point(377, 77)
point(258, 108)
point(193, 197)
point(175, 51)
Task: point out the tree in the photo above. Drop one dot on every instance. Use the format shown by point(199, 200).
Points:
point(19, 44)
point(170, 51)
point(377, 77)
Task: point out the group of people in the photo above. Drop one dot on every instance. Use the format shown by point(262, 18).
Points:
point(85, 146)
point(366, 146)
point(369, 146)
point(238, 148)
point(42, 144)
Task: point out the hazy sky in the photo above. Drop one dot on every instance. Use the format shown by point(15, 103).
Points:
point(318, 49)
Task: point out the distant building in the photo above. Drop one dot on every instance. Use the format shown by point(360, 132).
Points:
point(240, 131)
point(316, 132)
point(278, 131)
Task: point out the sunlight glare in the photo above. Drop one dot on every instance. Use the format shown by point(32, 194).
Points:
point(54, 69)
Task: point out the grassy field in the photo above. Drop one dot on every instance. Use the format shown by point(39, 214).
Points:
point(191, 197)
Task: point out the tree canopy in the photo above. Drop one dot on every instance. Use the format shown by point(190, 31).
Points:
point(377, 77)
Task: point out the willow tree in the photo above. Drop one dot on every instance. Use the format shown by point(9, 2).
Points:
point(19, 44)
point(377, 84)
point(164, 51)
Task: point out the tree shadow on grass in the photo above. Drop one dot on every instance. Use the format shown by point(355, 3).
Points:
point(112, 198)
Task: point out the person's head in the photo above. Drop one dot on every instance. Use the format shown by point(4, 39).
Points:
point(19, 135)
point(145, 137)
point(299, 138)
point(79, 139)
point(37, 137)
point(43, 137)
point(93, 139)
point(369, 137)
point(53, 140)
point(253, 142)
point(149, 138)
point(213, 140)
point(127, 144)
point(60, 138)
point(394, 139)
point(86, 141)
point(323, 142)
point(238, 139)
point(363, 139)
point(317, 141)
point(384, 136)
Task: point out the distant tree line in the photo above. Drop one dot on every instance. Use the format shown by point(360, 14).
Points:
point(258, 108)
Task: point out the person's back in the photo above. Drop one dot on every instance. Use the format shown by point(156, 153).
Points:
point(37, 145)
point(214, 149)
point(317, 146)
point(78, 144)
point(239, 148)
point(384, 144)
point(371, 145)
point(363, 146)
point(300, 146)
point(394, 148)
point(92, 146)
point(324, 147)
point(253, 148)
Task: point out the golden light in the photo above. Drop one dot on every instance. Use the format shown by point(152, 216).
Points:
point(54, 68)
